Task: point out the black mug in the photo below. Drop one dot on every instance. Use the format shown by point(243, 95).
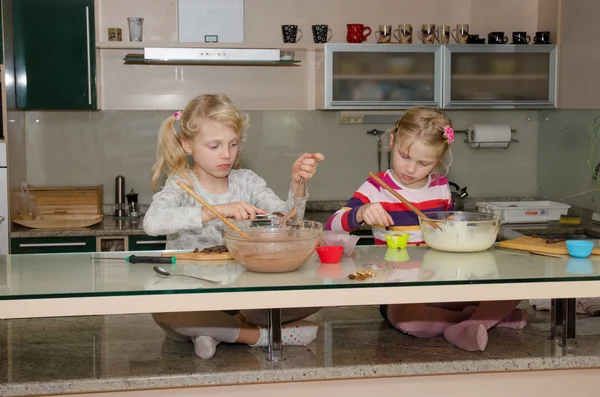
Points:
point(497, 38)
point(475, 39)
point(542, 38)
point(321, 33)
point(289, 33)
point(520, 38)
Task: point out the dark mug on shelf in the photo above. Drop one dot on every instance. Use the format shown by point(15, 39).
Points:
point(475, 39)
point(290, 33)
point(321, 33)
point(497, 38)
point(520, 38)
point(542, 38)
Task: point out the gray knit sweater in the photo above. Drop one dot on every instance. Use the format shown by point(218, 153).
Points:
point(177, 215)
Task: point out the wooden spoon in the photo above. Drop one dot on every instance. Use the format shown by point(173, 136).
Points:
point(211, 209)
point(404, 201)
point(294, 211)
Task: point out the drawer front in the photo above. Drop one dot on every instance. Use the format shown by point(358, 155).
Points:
point(365, 240)
point(366, 237)
point(147, 243)
point(50, 245)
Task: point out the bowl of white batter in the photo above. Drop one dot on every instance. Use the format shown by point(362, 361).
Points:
point(460, 231)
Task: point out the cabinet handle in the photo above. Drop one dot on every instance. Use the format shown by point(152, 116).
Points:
point(89, 66)
point(31, 245)
point(148, 242)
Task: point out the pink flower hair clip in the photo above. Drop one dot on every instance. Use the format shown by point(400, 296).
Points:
point(177, 115)
point(448, 134)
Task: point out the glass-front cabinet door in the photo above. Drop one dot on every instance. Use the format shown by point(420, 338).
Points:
point(500, 76)
point(380, 76)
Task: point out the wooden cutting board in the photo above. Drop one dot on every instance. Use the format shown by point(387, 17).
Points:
point(536, 244)
point(65, 222)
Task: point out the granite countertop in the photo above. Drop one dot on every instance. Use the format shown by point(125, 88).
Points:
point(129, 352)
point(319, 211)
point(110, 226)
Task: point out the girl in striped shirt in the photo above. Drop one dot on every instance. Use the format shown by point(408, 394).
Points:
point(419, 141)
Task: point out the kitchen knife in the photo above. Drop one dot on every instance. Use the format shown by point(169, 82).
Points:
point(143, 259)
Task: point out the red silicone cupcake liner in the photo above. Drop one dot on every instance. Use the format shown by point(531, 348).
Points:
point(330, 253)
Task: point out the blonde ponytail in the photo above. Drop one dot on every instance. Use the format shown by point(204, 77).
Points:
point(170, 156)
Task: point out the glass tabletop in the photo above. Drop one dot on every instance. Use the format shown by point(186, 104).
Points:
point(91, 274)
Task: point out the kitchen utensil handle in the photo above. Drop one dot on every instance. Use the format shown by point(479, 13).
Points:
point(89, 65)
point(403, 200)
point(151, 259)
point(211, 209)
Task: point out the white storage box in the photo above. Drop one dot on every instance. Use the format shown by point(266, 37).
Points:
point(525, 211)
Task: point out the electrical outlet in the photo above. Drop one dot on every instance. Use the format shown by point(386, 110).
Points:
point(352, 119)
point(596, 217)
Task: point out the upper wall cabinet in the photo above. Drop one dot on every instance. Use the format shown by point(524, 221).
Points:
point(499, 76)
point(380, 76)
point(395, 76)
point(55, 60)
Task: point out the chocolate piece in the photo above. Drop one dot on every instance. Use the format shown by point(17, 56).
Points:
point(217, 249)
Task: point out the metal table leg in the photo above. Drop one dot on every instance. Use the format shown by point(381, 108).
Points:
point(275, 349)
point(563, 320)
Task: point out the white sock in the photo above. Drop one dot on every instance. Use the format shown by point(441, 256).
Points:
point(227, 334)
point(300, 333)
point(205, 346)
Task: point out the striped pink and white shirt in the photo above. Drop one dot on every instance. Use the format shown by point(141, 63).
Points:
point(434, 196)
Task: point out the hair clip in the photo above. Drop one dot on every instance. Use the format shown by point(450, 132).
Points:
point(448, 134)
point(177, 115)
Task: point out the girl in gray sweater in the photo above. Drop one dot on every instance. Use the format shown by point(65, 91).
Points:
point(210, 130)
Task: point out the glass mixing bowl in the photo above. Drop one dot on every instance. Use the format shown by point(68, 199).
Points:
point(460, 231)
point(271, 247)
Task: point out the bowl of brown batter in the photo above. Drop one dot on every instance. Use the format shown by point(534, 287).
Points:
point(273, 247)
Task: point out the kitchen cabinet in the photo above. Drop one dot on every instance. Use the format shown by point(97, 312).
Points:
point(50, 245)
point(384, 76)
point(147, 243)
point(55, 58)
point(1, 39)
point(499, 76)
point(572, 24)
point(395, 76)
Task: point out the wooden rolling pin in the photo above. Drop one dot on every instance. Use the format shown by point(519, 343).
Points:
point(404, 201)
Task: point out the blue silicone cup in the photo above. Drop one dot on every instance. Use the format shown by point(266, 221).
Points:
point(580, 248)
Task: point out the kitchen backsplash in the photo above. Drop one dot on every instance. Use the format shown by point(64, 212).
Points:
point(562, 155)
point(88, 148)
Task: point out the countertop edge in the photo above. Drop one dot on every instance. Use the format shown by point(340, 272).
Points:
point(300, 374)
point(37, 233)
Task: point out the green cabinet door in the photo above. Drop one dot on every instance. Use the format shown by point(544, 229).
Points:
point(1, 37)
point(55, 57)
point(147, 243)
point(52, 245)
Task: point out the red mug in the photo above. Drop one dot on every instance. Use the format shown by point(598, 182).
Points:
point(357, 33)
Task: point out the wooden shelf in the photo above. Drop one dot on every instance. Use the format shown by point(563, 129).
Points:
point(138, 59)
point(371, 77)
point(500, 76)
point(132, 45)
